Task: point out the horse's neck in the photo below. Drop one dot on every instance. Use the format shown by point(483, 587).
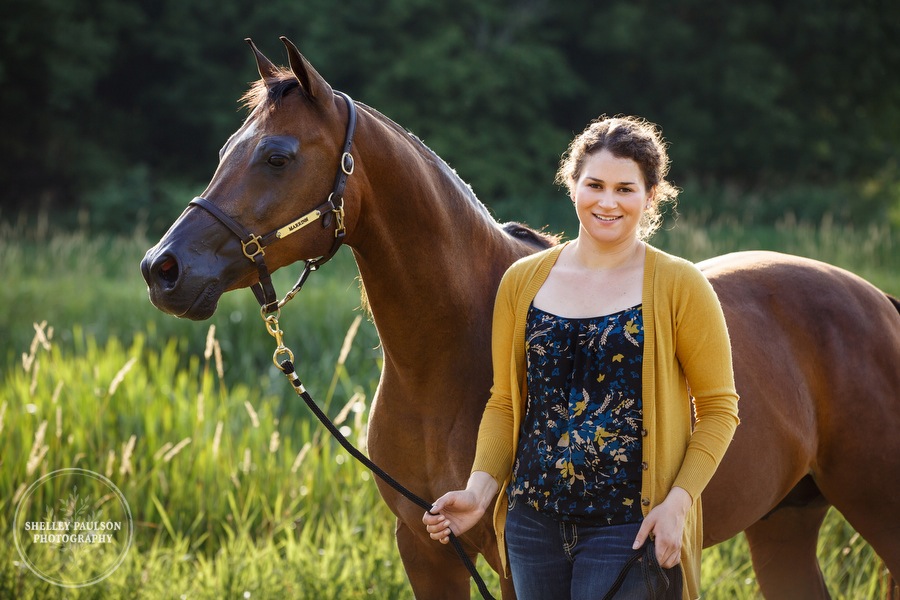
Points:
point(429, 254)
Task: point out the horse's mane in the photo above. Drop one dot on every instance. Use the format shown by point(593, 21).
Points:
point(272, 92)
point(539, 240)
point(895, 301)
point(433, 156)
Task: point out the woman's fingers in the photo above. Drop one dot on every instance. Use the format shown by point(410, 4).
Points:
point(454, 512)
point(440, 532)
point(437, 526)
point(668, 555)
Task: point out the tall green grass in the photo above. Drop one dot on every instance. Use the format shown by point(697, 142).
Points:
point(76, 278)
point(227, 497)
point(235, 492)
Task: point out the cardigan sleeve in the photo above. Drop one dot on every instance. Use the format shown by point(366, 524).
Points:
point(494, 452)
point(703, 349)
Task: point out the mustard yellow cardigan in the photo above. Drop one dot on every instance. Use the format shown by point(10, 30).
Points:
point(685, 340)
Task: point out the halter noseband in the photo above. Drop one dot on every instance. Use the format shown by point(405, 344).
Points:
point(254, 246)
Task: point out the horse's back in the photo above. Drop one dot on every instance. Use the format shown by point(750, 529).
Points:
point(817, 366)
point(822, 305)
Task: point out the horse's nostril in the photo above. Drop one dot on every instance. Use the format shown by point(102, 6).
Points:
point(168, 270)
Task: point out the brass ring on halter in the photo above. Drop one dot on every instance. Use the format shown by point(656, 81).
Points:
point(268, 315)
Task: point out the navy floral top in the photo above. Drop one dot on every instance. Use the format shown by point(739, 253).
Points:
point(579, 455)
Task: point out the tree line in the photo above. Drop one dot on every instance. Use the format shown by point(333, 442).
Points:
point(118, 109)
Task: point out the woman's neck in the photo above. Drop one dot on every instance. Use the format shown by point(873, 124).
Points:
point(589, 255)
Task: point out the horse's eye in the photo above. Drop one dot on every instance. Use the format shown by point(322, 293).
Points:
point(277, 160)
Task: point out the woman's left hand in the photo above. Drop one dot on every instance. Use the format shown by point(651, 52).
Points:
point(666, 523)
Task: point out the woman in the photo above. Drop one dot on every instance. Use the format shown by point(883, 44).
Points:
point(602, 348)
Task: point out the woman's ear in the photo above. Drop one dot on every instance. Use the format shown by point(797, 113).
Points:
point(651, 198)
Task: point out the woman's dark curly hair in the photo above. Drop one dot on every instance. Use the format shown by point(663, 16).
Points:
point(625, 137)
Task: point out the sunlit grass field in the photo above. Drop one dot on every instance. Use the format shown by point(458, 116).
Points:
point(235, 491)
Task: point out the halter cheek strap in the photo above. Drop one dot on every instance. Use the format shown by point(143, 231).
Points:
point(254, 246)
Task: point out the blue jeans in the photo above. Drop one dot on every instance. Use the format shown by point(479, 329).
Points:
point(553, 560)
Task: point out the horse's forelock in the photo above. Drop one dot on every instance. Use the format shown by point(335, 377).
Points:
point(270, 91)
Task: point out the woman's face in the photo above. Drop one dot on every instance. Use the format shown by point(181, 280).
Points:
point(610, 197)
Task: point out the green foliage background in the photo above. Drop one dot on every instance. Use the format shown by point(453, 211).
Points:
point(118, 109)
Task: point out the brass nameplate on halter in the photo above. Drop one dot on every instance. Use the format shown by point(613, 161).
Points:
point(298, 224)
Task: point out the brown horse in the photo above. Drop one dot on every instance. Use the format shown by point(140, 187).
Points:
point(816, 349)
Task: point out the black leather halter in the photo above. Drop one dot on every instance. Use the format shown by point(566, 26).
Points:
point(254, 246)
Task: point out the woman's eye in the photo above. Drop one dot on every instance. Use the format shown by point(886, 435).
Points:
point(277, 160)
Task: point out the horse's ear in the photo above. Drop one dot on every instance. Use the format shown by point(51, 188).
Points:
point(314, 85)
point(267, 70)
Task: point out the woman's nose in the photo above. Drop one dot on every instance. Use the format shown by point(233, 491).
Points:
point(605, 199)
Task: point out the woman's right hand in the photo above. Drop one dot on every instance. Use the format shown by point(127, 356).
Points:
point(460, 510)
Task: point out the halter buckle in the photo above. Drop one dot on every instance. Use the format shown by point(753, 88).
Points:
point(347, 163)
point(253, 247)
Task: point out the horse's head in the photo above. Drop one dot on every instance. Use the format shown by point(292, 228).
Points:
point(276, 176)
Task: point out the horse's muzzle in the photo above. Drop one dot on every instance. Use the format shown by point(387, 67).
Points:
point(172, 292)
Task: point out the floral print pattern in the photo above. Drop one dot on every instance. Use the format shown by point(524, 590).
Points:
point(579, 455)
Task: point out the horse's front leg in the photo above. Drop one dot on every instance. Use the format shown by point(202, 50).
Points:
point(434, 570)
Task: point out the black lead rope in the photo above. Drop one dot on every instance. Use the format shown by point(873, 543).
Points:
point(660, 583)
point(287, 367)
